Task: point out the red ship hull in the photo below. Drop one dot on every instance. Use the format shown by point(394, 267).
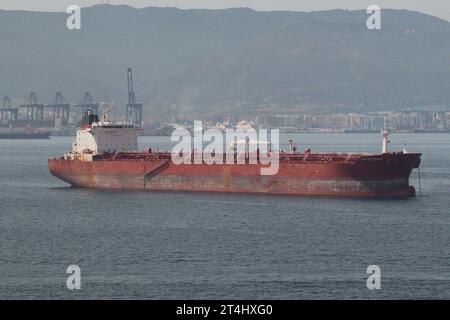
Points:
point(385, 175)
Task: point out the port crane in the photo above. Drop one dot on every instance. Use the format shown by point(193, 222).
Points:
point(8, 112)
point(134, 108)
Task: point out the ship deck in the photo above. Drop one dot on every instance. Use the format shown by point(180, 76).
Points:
point(284, 157)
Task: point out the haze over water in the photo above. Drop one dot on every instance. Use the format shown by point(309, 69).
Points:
point(161, 245)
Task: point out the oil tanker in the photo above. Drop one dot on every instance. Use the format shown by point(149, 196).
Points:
point(104, 156)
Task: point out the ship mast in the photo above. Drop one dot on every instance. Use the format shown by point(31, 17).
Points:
point(384, 146)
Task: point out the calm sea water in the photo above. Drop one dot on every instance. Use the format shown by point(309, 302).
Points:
point(153, 245)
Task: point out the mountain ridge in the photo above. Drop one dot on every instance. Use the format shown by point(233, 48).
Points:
point(202, 59)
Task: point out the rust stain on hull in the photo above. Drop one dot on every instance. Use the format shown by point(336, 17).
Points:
point(385, 175)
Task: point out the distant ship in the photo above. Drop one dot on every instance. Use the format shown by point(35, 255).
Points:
point(25, 135)
point(102, 157)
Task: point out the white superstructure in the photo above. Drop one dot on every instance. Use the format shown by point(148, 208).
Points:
point(106, 137)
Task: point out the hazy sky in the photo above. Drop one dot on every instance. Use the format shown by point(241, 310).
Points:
point(439, 8)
